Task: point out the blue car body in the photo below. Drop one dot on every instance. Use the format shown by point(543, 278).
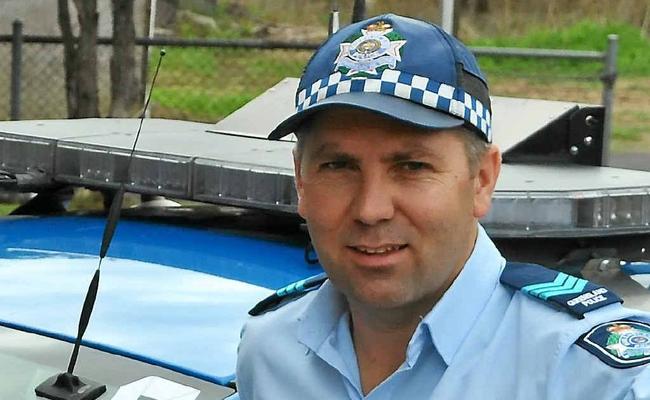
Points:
point(171, 296)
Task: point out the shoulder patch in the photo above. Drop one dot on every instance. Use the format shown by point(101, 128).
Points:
point(573, 295)
point(288, 294)
point(620, 344)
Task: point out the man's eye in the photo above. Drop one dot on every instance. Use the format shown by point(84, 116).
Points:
point(414, 166)
point(334, 165)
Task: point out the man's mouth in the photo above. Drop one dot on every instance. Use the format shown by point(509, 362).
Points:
point(378, 250)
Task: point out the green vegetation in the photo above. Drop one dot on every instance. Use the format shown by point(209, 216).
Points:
point(206, 84)
point(6, 208)
point(85, 199)
point(633, 56)
point(629, 133)
point(93, 200)
point(632, 127)
point(578, 80)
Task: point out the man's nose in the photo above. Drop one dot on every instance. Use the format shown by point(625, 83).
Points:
point(374, 200)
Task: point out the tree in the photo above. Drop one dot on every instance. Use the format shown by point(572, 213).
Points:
point(125, 89)
point(80, 58)
point(358, 10)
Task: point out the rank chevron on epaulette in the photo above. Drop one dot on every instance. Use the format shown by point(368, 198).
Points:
point(573, 295)
point(563, 284)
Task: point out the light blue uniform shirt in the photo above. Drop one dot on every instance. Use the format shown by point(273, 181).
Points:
point(482, 340)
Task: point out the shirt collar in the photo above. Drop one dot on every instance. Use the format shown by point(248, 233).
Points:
point(324, 328)
point(454, 315)
point(321, 316)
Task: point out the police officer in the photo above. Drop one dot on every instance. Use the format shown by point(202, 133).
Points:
point(394, 167)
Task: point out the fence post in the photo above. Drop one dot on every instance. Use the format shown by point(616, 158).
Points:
point(609, 79)
point(16, 63)
point(447, 16)
point(333, 25)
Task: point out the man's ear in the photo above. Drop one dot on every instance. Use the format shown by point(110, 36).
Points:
point(297, 165)
point(486, 180)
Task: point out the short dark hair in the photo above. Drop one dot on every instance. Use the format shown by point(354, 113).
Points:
point(475, 148)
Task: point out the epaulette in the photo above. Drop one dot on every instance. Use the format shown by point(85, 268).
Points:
point(573, 295)
point(288, 294)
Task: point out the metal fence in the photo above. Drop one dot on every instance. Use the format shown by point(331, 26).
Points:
point(206, 79)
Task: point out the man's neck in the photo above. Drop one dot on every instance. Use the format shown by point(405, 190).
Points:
point(380, 346)
point(381, 339)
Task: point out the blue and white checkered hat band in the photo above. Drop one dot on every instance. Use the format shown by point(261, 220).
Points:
point(415, 88)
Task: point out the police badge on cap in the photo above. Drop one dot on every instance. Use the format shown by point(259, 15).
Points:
point(376, 48)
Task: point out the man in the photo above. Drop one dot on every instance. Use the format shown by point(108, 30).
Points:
point(394, 168)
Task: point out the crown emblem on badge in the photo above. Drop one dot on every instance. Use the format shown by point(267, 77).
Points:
point(381, 26)
point(371, 51)
point(619, 328)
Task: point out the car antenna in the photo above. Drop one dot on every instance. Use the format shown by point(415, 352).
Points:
point(66, 385)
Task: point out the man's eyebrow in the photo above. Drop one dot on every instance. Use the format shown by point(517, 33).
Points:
point(416, 153)
point(330, 149)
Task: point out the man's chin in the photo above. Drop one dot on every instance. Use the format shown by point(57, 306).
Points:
point(379, 291)
point(380, 300)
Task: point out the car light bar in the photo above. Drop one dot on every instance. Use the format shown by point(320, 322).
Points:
point(530, 200)
point(563, 214)
point(88, 165)
point(25, 154)
point(245, 185)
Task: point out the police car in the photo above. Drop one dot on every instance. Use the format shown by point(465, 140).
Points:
point(180, 277)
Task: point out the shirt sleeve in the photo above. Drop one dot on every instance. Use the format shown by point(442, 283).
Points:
point(641, 386)
point(591, 369)
point(243, 369)
point(581, 375)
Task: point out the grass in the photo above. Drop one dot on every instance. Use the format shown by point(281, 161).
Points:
point(631, 127)
point(198, 104)
point(633, 55)
point(204, 84)
point(6, 208)
point(629, 133)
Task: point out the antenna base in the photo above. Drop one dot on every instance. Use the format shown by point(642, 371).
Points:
point(66, 386)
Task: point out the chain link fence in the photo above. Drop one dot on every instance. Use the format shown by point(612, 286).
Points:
point(42, 89)
point(206, 79)
point(206, 83)
point(198, 83)
point(42, 81)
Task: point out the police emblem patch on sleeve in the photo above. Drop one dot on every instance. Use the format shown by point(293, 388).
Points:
point(620, 344)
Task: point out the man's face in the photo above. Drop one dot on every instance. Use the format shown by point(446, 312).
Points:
point(391, 210)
